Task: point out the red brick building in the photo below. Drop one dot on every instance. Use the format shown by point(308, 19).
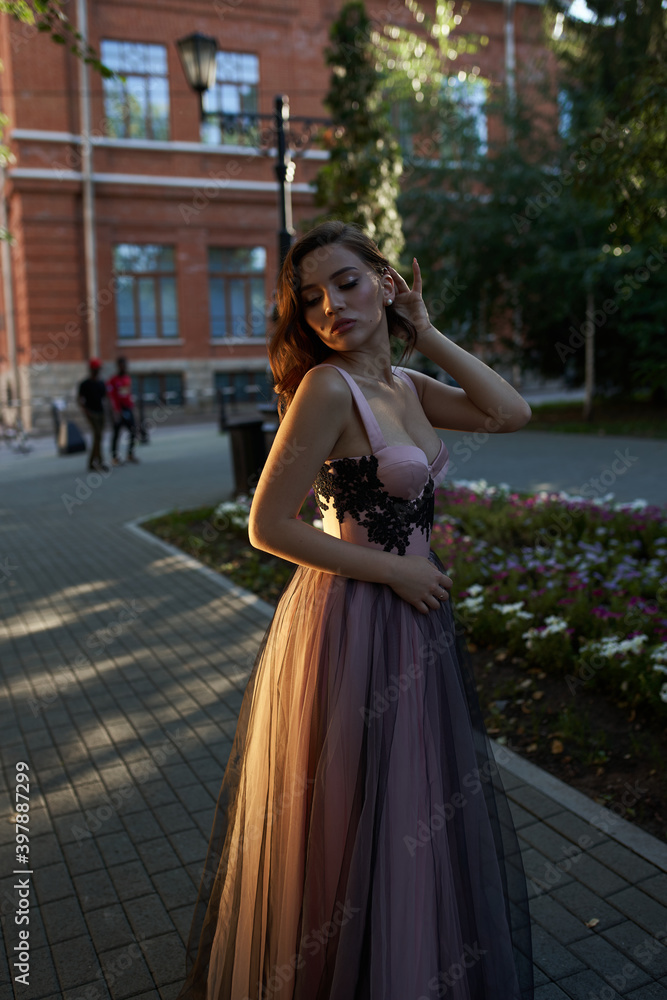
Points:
point(138, 231)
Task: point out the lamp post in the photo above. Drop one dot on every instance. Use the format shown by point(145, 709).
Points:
point(198, 57)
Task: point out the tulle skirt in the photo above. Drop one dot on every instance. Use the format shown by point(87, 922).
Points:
point(362, 846)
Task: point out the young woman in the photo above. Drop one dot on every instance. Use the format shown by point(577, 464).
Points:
point(362, 847)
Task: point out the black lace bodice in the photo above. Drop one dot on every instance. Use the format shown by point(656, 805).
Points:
point(353, 487)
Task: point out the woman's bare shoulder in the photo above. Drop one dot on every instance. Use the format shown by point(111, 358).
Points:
point(325, 383)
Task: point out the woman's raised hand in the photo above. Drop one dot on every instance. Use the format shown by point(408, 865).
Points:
point(408, 301)
point(420, 583)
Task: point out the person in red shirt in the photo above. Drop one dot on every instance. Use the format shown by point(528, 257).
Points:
point(119, 391)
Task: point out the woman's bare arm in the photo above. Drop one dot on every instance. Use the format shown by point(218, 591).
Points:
point(319, 412)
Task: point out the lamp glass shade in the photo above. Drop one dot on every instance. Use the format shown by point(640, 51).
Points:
point(197, 54)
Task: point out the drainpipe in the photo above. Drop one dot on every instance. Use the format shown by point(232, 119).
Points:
point(88, 191)
point(8, 292)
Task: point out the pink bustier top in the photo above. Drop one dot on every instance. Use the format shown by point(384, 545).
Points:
point(383, 500)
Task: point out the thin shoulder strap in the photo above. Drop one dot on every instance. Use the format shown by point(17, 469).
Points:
point(375, 435)
point(406, 378)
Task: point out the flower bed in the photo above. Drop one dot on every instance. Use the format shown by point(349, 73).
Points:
point(568, 596)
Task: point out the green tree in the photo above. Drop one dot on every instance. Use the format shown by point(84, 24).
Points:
point(537, 228)
point(359, 183)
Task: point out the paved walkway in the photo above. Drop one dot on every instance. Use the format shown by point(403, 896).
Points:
point(123, 669)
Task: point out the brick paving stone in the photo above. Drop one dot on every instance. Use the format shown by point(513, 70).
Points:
point(169, 992)
point(597, 877)
point(130, 879)
point(550, 956)
point(610, 963)
point(190, 845)
point(542, 874)
point(588, 986)
point(637, 906)
point(182, 919)
point(520, 817)
point(148, 915)
point(539, 978)
point(654, 991)
point(655, 886)
point(95, 889)
point(174, 818)
point(550, 992)
point(175, 887)
point(76, 961)
point(123, 979)
point(97, 989)
point(63, 920)
point(586, 905)
point(165, 958)
point(116, 848)
point(195, 798)
point(639, 946)
point(43, 975)
point(52, 882)
point(562, 924)
point(46, 850)
point(142, 825)
point(108, 927)
point(625, 862)
point(82, 857)
point(158, 856)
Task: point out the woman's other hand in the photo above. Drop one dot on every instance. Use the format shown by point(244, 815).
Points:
point(420, 583)
point(408, 301)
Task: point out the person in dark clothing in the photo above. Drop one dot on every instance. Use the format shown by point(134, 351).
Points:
point(119, 389)
point(92, 393)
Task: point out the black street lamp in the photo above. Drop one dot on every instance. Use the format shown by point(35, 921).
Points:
point(198, 57)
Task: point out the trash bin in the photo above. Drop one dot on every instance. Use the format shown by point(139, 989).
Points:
point(69, 439)
point(271, 423)
point(248, 451)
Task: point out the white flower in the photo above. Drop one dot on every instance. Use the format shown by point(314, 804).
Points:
point(663, 693)
point(471, 603)
point(475, 589)
point(554, 624)
point(235, 511)
point(659, 653)
point(632, 505)
point(508, 608)
point(611, 645)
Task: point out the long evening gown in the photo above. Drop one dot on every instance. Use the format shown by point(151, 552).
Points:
point(362, 846)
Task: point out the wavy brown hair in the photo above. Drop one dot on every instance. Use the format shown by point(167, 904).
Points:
point(294, 347)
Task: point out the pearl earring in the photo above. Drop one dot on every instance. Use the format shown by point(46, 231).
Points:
point(389, 301)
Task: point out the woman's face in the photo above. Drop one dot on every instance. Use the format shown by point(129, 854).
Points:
point(338, 285)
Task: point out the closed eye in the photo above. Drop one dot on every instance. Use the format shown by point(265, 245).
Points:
point(349, 284)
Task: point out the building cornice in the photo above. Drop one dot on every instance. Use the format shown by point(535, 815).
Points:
point(157, 145)
point(150, 180)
